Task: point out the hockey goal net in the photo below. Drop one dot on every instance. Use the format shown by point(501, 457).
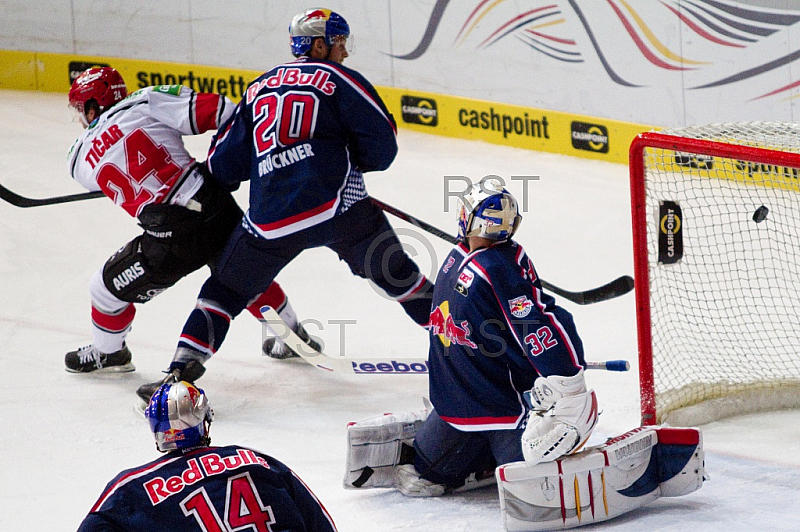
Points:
point(716, 229)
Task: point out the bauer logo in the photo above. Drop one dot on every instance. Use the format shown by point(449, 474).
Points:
point(421, 111)
point(589, 137)
point(76, 68)
point(670, 233)
point(391, 367)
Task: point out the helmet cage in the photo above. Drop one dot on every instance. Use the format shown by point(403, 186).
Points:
point(313, 23)
point(488, 211)
point(179, 417)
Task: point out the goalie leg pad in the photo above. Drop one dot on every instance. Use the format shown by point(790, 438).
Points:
point(376, 447)
point(601, 482)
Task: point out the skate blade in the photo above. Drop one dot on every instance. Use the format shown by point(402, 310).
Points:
point(126, 368)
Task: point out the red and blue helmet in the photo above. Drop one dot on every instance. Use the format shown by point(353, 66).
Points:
point(179, 416)
point(488, 210)
point(312, 23)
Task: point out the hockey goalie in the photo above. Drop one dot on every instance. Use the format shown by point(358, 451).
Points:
point(496, 337)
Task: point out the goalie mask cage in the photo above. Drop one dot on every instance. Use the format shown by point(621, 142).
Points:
point(716, 237)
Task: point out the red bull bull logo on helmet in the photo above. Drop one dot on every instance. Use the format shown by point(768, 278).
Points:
point(442, 324)
point(318, 14)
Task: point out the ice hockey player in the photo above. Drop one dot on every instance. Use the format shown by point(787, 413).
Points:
point(132, 150)
point(199, 487)
point(497, 338)
point(303, 135)
point(494, 334)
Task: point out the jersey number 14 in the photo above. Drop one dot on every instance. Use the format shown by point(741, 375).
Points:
point(243, 508)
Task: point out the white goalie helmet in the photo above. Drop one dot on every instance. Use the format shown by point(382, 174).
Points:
point(489, 211)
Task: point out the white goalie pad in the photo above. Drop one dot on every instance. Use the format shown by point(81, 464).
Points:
point(601, 482)
point(374, 447)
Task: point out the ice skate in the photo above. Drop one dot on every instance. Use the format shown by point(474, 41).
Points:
point(274, 347)
point(88, 359)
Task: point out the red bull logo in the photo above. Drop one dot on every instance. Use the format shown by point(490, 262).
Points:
point(442, 324)
point(520, 306)
point(318, 14)
point(194, 393)
point(173, 435)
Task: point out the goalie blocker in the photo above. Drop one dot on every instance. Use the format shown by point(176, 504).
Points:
point(601, 482)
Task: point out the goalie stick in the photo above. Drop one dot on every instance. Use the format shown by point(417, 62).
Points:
point(373, 366)
point(615, 288)
point(21, 201)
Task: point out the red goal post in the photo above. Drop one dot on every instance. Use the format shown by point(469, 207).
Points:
point(716, 236)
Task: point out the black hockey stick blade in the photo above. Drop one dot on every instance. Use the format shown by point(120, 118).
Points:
point(615, 288)
point(21, 201)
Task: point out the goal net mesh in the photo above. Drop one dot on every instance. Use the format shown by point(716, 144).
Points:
point(724, 315)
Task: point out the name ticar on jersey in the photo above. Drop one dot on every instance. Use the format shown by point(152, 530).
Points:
point(293, 77)
point(128, 275)
point(160, 489)
point(284, 158)
point(100, 145)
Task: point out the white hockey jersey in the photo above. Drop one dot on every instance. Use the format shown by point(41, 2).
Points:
point(134, 152)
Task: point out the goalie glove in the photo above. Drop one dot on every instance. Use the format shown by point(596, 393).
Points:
point(562, 418)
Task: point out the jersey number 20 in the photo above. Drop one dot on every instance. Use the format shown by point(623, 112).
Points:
point(283, 118)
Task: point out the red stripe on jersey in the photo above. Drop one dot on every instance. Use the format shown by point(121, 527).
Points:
point(314, 496)
point(297, 217)
point(206, 109)
point(487, 420)
point(413, 290)
point(114, 323)
point(358, 88)
point(131, 475)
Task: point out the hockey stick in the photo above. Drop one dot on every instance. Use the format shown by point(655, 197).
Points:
point(339, 365)
point(382, 366)
point(22, 201)
point(615, 288)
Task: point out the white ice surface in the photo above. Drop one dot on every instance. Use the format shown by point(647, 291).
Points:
point(63, 436)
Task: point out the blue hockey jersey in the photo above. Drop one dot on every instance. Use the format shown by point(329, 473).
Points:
point(303, 134)
point(208, 489)
point(493, 331)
